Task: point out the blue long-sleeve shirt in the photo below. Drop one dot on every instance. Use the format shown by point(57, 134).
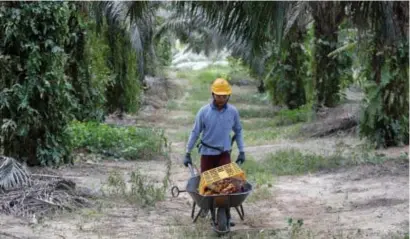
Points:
point(216, 127)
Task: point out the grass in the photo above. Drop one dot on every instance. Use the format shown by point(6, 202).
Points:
point(246, 113)
point(204, 76)
point(129, 142)
point(260, 194)
point(187, 120)
point(173, 105)
point(288, 117)
point(264, 135)
point(181, 136)
point(291, 162)
point(294, 162)
point(138, 189)
point(202, 229)
point(257, 173)
point(254, 99)
point(257, 123)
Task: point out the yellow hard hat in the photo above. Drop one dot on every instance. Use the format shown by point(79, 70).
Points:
point(221, 87)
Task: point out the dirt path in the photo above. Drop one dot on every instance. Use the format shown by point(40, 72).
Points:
point(368, 201)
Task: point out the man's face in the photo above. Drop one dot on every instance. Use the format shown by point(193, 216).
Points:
point(220, 100)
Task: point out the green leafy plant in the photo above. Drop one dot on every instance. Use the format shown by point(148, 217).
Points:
point(120, 141)
point(385, 119)
point(287, 117)
point(123, 92)
point(37, 98)
point(140, 190)
point(286, 80)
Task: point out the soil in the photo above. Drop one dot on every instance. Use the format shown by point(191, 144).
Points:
point(366, 201)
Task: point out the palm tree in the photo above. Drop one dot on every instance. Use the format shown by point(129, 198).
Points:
point(129, 29)
point(327, 17)
point(384, 27)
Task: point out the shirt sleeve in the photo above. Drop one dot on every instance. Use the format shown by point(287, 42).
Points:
point(196, 131)
point(237, 128)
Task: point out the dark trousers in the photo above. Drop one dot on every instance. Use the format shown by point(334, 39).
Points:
point(213, 161)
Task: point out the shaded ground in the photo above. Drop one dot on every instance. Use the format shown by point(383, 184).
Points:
point(367, 201)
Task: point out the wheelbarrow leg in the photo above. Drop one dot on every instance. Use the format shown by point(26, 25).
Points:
point(193, 210)
point(241, 213)
point(197, 215)
point(213, 215)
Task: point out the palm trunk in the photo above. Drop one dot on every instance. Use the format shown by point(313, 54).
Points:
point(327, 16)
point(295, 93)
point(386, 118)
point(287, 85)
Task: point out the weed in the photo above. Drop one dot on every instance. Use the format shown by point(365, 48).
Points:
point(295, 227)
point(139, 191)
point(253, 99)
point(194, 106)
point(257, 173)
point(172, 105)
point(259, 194)
point(144, 192)
point(264, 135)
point(257, 123)
point(257, 112)
point(288, 117)
point(294, 162)
point(204, 76)
point(187, 120)
point(119, 141)
point(285, 162)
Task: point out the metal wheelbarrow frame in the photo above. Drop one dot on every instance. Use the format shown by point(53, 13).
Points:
point(219, 203)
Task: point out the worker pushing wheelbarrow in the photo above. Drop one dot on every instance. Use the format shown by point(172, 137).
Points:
point(218, 202)
point(215, 121)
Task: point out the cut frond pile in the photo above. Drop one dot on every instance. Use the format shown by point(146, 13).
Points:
point(12, 174)
point(25, 196)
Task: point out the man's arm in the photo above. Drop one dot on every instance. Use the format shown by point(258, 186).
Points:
point(237, 128)
point(196, 131)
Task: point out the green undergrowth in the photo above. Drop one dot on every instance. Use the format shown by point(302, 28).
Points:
point(250, 98)
point(201, 229)
point(294, 162)
point(127, 142)
point(264, 135)
point(138, 189)
point(256, 112)
point(204, 76)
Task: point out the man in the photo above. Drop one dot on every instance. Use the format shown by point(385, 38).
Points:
point(216, 121)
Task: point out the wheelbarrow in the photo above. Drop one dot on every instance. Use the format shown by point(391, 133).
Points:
point(218, 205)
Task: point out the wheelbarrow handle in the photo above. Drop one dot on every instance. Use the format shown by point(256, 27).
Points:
point(191, 170)
point(175, 191)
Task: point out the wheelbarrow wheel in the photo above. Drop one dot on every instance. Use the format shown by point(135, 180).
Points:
point(222, 221)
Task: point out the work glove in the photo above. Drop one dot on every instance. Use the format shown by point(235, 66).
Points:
point(241, 158)
point(187, 159)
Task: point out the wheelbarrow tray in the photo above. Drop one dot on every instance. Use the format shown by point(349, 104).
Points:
point(216, 201)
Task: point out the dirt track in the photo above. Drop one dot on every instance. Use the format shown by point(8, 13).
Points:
point(368, 201)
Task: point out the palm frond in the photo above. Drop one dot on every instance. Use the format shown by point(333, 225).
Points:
point(389, 20)
point(12, 174)
point(43, 197)
point(298, 14)
point(135, 17)
point(252, 22)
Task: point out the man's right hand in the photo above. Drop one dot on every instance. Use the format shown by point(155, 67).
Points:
point(187, 159)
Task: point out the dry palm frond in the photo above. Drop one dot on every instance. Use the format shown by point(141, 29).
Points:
point(12, 174)
point(41, 198)
point(20, 195)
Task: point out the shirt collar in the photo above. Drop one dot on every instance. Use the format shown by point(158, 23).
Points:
point(213, 106)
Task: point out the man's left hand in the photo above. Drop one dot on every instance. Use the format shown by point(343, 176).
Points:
point(241, 158)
